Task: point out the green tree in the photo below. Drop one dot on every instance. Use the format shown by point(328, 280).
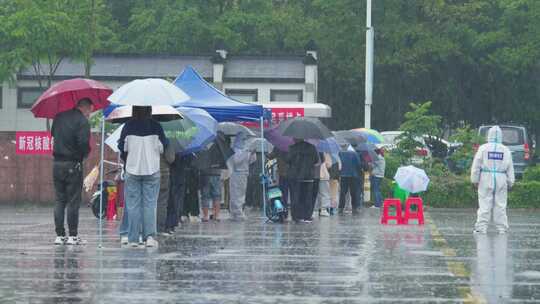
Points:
point(418, 123)
point(462, 158)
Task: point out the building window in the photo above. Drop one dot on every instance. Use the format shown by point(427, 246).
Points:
point(243, 95)
point(286, 95)
point(26, 97)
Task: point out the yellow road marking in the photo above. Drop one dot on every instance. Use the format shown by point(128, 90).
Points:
point(457, 268)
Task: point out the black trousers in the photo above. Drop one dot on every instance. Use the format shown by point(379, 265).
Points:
point(315, 193)
point(191, 197)
point(68, 182)
point(163, 199)
point(353, 185)
point(176, 197)
point(301, 199)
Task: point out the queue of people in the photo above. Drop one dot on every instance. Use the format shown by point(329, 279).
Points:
point(164, 189)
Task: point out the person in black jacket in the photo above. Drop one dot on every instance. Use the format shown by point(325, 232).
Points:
point(71, 134)
point(302, 158)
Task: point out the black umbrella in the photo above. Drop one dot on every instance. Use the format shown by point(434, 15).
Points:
point(304, 128)
point(216, 156)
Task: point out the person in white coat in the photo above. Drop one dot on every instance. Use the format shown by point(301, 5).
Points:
point(323, 203)
point(239, 169)
point(492, 173)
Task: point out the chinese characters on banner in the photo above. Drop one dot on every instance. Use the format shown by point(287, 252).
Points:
point(281, 114)
point(33, 142)
point(278, 115)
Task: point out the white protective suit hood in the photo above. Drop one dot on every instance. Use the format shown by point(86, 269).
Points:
point(494, 135)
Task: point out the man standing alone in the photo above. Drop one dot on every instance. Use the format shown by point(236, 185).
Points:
point(71, 133)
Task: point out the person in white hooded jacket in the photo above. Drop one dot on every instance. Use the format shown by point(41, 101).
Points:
point(492, 173)
point(238, 165)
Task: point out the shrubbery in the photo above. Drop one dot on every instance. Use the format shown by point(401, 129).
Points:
point(532, 174)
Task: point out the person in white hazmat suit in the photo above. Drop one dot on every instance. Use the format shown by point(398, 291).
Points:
point(238, 165)
point(492, 173)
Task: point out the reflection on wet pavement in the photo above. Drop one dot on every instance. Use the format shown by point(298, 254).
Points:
point(334, 260)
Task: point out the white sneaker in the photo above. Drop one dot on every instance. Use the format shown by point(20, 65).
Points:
point(502, 231)
point(124, 240)
point(324, 212)
point(60, 240)
point(134, 245)
point(141, 242)
point(75, 240)
point(479, 231)
point(150, 242)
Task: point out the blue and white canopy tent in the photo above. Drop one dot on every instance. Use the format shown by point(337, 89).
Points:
point(220, 106)
point(223, 108)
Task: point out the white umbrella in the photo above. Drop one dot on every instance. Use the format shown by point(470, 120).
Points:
point(159, 113)
point(112, 140)
point(412, 179)
point(148, 92)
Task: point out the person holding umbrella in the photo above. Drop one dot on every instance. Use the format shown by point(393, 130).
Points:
point(377, 175)
point(141, 142)
point(239, 168)
point(71, 133)
point(302, 159)
point(351, 179)
point(69, 103)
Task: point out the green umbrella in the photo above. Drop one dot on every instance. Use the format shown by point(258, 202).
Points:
point(180, 132)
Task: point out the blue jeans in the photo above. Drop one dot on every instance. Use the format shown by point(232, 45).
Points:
point(124, 225)
point(376, 187)
point(141, 193)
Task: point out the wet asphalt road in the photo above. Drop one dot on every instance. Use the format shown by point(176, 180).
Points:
point(333, 260)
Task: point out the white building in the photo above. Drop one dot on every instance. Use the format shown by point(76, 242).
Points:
point(279, 81)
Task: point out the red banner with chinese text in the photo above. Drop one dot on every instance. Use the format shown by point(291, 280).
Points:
point(281, 114)
point(33, 142)
point(278, 115)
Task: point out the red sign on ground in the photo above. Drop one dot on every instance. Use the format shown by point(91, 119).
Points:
point(33, 142)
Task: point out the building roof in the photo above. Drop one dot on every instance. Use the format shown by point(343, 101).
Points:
point(127, 67)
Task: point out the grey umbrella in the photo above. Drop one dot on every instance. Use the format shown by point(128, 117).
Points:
point(256, 144)
point(353, 137)
point(232, 129)
point(304, 128)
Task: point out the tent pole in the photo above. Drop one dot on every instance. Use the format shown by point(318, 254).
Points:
point(263, 177)
point(101, 164)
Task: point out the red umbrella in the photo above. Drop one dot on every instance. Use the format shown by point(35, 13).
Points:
point(64, 95)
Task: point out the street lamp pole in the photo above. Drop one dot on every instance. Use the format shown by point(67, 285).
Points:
point(369, 67)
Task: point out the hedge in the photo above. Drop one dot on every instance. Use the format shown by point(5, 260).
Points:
point(532, 173)
point(457, 192)
point(449, 190)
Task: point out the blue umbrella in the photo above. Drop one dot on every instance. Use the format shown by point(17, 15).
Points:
point(328, 145)
point(206, 129)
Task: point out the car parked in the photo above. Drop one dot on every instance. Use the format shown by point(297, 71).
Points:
point(391, 139)
point(517, 139)
point(432, 146)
